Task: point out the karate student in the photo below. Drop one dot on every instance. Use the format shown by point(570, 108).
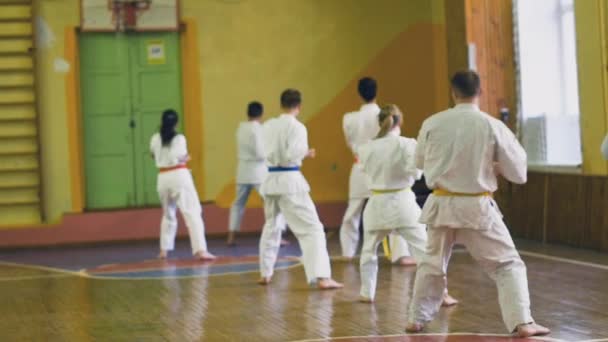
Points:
point(176, 189)
point(462, 151)
point(389, 165)
point(605, 147)
point(359, 128)
point(285, 191)
point(252, 169)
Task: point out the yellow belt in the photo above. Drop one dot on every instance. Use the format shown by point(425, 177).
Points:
point(441, 192)
point(387, 191)
point(385, 244)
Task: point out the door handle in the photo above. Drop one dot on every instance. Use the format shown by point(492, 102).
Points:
point(132, 123)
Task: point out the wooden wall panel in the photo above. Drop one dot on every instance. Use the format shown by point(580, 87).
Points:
point(478, 33)
point(456, 33)
point(490, 28)
point(558, 208)
point(503, 195)
point(525, 199)
point(566, 205)
point(596, 234)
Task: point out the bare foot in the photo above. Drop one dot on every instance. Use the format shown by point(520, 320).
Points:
point(230, 240)
point(328, 284)
point(162, 255)
point(531, 329)
point(264, 280)
point(285, 242)
point(448, 300)
point(204, 255)
point(414, 328)
point(363, 299)
point(406, 261)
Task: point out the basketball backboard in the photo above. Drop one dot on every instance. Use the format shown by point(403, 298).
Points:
point(129, 15)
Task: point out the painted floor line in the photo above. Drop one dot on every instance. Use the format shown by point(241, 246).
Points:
point(46, 276)
point(548, 339)
point(565, 260)
point(83, 273)
point(94, 276)
point(552, 258)
point(40, 268)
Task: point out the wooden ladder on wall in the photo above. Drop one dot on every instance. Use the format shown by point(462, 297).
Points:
point(19, 145)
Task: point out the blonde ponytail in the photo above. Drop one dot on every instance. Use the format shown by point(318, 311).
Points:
point(390, 117)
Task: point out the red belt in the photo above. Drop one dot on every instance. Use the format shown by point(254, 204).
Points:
point(171, 168)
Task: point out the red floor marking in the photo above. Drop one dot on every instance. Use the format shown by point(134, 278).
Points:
point(174, 263)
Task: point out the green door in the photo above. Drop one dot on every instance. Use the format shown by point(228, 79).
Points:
point(108, 137)
point(127, 80)
point(156, 86)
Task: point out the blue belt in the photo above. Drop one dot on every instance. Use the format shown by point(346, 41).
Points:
point(281, 168)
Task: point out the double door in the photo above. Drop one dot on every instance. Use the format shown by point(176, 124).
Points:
point(127, 80)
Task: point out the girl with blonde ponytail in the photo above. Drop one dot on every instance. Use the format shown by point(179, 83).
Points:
point(389, 165)
point(390, 117)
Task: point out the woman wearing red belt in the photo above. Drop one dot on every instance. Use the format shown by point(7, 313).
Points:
point(176, 189)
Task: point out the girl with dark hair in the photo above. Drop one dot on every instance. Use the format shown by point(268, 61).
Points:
point(176, 188)
point(389, 165)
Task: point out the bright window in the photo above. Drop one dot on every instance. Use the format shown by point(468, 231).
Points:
point(547, 77)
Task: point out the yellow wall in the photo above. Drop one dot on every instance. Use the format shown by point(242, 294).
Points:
point(592, 45)
point(253, 50)
point(56, 16)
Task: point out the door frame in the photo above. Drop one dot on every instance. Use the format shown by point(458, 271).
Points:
point(191, 99)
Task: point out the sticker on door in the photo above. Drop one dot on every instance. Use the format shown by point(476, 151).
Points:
point(156, 52)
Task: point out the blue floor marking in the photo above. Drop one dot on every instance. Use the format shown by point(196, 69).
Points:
point(200, 271)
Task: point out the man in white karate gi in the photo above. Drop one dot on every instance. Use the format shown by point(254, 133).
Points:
point(251, 170)
point(360, 127)
point(286, 191)
point(462, 151)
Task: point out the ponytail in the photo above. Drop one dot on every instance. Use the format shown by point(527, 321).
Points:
point(167, 127)
point(390, 117)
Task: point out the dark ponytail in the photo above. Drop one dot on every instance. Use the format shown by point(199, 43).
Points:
point(167, 127)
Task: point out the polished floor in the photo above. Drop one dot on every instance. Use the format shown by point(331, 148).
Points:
point(120, 293)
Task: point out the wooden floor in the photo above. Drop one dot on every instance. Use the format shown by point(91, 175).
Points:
point(42, 303)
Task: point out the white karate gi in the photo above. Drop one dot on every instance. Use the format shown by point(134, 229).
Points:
point(605, 148)
point(359, 128)
point(461, 150)
point(176, 191)
point(389, 164)
point(251, 171)
point(286, 192)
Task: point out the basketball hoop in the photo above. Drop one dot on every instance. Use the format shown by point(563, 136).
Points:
point(129, 15)
point(126, 12)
